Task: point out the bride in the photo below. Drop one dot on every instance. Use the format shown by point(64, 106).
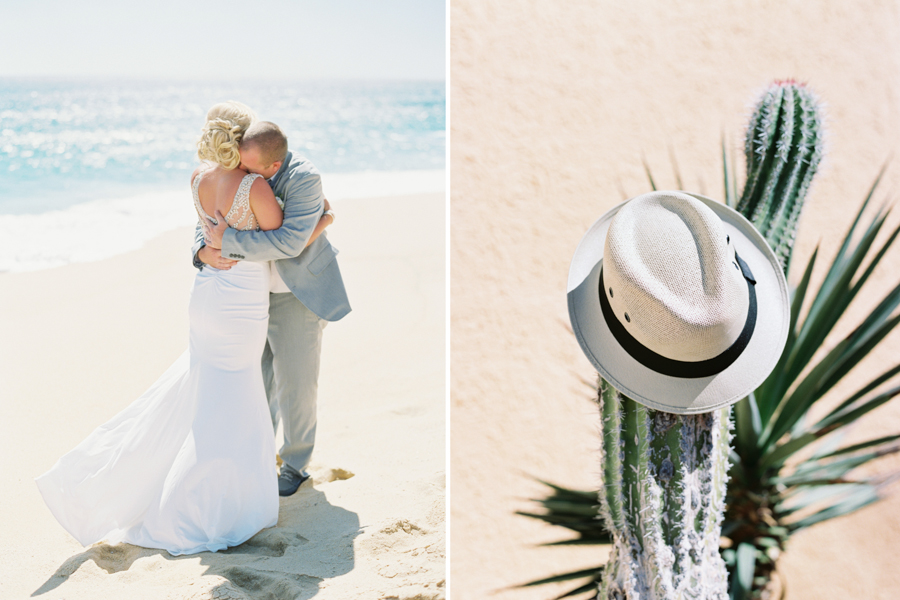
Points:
point(189, 466)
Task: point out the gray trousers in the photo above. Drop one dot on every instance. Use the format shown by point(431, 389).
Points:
point(290, 366)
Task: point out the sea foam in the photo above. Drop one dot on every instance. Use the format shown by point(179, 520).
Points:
point(98, 229)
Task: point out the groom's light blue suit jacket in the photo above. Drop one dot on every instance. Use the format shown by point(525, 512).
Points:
point(312, 274)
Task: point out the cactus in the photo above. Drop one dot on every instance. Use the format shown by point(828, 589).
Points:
point(663, 500)
point(783, 149)
point(779, 487)
point(665, 475)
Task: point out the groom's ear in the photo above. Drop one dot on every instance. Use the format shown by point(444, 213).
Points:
point(277, 164)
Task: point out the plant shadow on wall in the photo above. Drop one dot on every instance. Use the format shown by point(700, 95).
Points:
point(788, 470)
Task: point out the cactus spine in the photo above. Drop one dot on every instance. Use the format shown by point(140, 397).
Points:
point(783, 148)
point(663, 500)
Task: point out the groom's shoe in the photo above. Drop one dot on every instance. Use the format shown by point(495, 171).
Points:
point(290, 480)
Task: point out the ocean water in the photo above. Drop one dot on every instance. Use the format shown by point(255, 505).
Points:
point(80, 160)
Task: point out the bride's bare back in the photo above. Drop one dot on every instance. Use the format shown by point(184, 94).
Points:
point(246, 200)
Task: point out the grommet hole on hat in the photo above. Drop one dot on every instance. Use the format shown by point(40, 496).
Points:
point(736, 266)
point(627, 318)
point(727, 239)
point(610, 293)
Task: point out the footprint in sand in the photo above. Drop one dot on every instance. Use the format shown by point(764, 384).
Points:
point(268, 542)
point(224, 590)
point(404, 525)
point(415, 551)
point(114, 559)
point(332, 474)
point(245, 583)
point(255, 583)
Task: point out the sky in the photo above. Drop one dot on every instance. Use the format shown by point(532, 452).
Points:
point(225, 39)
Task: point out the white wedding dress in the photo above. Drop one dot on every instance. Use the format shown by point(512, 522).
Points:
point(190, 465)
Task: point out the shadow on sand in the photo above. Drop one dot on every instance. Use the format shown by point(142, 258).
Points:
point(312, 542)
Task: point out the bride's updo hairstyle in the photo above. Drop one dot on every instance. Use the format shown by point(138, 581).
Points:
point(221, 137)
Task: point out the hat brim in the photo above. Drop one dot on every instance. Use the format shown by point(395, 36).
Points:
point(675, 394)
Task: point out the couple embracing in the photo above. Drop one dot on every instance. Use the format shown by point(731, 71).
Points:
point(190, 465)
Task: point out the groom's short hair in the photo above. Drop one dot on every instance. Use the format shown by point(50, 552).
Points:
point(268, 139)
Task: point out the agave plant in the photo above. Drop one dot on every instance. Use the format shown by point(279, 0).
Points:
point(776, 488)
point(788, 470)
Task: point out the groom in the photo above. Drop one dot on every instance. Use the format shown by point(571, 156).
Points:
point(306, 292)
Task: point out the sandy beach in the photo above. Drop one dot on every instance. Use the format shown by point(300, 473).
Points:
point(82, 341)
point(553, 107)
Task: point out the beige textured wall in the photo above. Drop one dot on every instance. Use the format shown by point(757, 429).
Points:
point(552, 105)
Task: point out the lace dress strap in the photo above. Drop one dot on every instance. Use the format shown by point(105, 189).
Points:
point(240, 216)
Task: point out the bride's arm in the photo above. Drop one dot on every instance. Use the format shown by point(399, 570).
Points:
point(264, 205)
point(325, 220)
point(270, 216)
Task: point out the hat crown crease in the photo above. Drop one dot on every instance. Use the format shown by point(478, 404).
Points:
point(671, 267)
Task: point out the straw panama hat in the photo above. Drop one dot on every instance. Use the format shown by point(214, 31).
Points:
point(678, 302)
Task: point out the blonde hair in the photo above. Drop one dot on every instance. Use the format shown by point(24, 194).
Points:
point(221, 137)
